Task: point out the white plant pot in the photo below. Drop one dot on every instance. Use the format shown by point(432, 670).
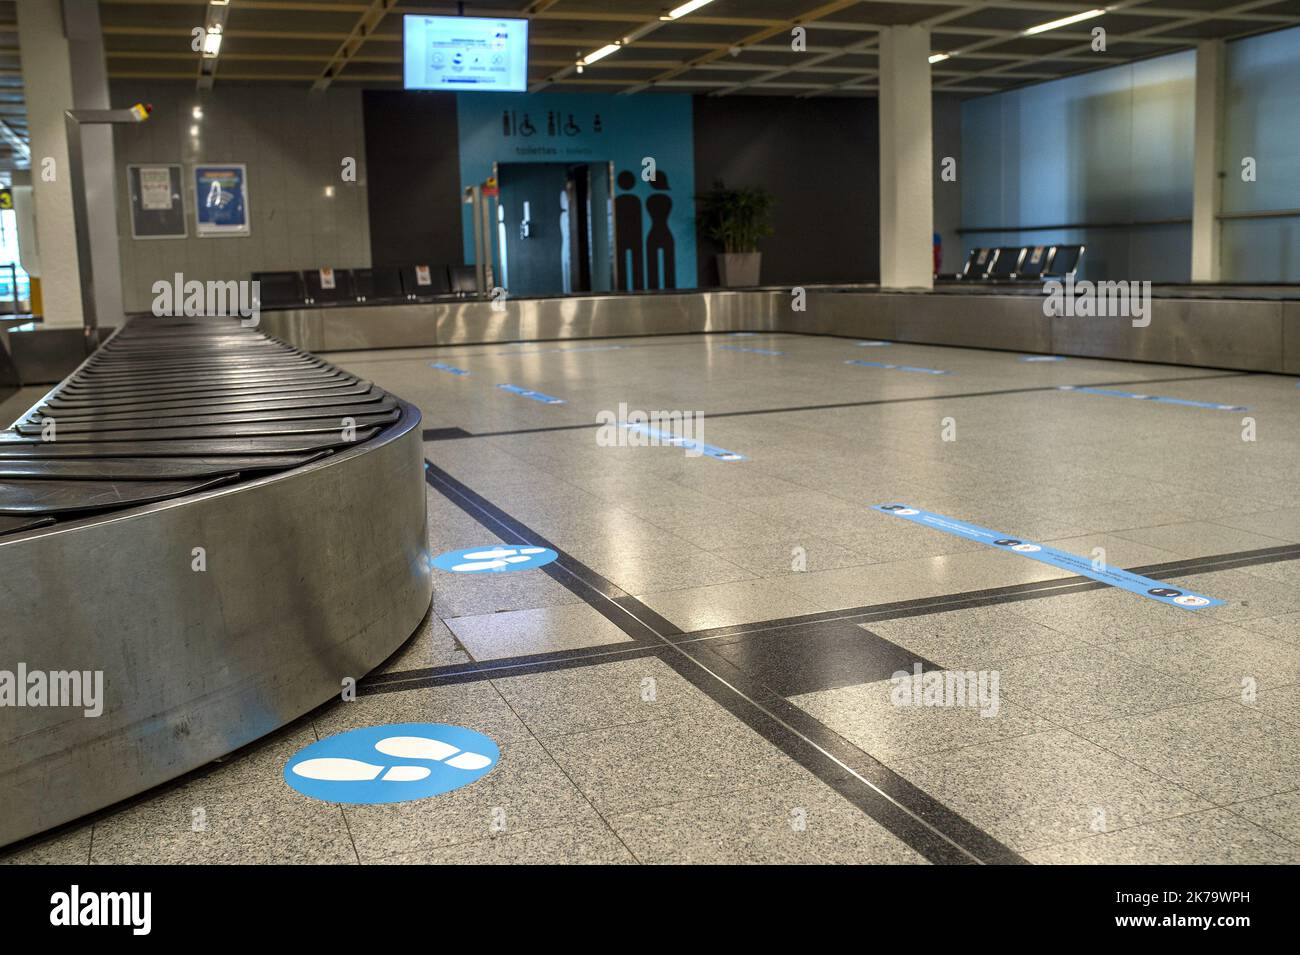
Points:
point(739, 269)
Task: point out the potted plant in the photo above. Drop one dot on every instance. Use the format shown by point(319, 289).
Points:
point(736, 219)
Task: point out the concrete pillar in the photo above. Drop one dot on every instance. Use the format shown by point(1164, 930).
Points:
point(90, 91)
point(1207, 187)
point(906, 159)
point(63, 67)
point(47, 79)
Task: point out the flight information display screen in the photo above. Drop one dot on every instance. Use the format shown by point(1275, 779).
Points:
point(464, 53)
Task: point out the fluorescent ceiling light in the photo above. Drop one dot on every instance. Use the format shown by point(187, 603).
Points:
point(939, 57)
point(212, 42)
point(600, 54)
point(1064, 22)
point(684, 9)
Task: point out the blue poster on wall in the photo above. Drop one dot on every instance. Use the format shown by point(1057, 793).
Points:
point(649, 142)
point(221, 199)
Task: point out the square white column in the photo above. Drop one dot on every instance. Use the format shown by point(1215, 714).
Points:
point(1207, 188)
point(906, 159)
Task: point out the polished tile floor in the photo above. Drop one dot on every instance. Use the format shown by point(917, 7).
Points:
point(707, 672)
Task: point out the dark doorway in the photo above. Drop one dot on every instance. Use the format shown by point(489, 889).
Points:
point(555, 228)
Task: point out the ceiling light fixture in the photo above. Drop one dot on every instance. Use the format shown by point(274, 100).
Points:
point(212, 42)
point(684, 9)
point(600, 54)
point(939, 57)
point(1064, 22)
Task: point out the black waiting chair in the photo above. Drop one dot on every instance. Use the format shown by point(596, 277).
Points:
point(1063, 260)
point(977, 264)
point(1033, 262)
point(278, 290)
point(464, 279)
point(327, 286)
point(1006, 261)
point(424, 281)
point(377, 284)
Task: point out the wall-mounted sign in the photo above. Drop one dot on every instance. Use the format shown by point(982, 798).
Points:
point(221, 200)
point(157, 201)
point(6, 198)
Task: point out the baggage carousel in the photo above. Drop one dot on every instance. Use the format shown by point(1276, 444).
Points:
point(214, 528)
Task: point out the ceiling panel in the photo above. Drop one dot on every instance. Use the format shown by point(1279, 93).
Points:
point(728, 47)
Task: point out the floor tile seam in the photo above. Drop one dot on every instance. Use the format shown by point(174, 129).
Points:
point(1292, 841)
point(886, 761)
point(1130, 829)
point(1033, 590)
point(572, 782)
point(527, 830)
point(721, 687)
point(1132, 762)
point(483, 669)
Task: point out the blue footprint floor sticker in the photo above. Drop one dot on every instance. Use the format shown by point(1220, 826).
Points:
point(494, 558)
point(394, 763)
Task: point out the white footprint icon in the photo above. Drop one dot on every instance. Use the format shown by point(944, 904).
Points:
point(421, 747)
point(495, 557)
point(340, 769)
point(343, 769)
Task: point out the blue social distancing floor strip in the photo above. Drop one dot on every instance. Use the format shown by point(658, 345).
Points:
point(1133, 583)
point(872, 344)
point(755, 351)
point(451, 369)
point(534, 395)
point(660, 436)
point(553, 351)
point(1114, 393)
point(1041, 358)
point(881, 364)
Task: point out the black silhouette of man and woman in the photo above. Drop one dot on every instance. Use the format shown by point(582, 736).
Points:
point(643, 270)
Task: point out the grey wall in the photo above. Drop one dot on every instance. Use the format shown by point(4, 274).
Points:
point(1111, 149)
point(820, 159)
point(293, 143)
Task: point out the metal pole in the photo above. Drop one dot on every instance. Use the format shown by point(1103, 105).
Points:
point(73, 120)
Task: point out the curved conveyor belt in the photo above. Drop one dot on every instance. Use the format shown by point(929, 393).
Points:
point(216, 528)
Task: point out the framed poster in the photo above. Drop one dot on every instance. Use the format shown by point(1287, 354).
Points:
point(157, 201)
point(221, 200)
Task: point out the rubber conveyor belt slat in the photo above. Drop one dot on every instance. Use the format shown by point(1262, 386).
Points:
point(149, 469)
point(130, 423)
point(236, 430)
point(78, 409)
point(168, 408)
point(52, 497)
point(369, 398)
point(266, 444)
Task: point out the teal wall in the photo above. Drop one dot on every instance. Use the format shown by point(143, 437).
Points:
point(1110, 146)
point(1262, 102)
point(582, 128)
